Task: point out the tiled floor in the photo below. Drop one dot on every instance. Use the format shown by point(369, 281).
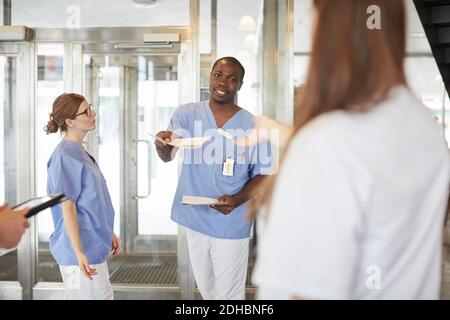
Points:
point(132, 269)
point(121, 274)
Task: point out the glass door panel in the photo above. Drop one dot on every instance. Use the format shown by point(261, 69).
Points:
point(157, 100)
point(135, 95)
point(8, 72)
point(107, 100)
point(49, 85)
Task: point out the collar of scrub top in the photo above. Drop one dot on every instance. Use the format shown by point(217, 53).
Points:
point(90, 156)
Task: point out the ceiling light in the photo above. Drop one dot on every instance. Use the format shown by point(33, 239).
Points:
point(145, 3)
point(418, 34)
point(251, 42)
point(247, 23)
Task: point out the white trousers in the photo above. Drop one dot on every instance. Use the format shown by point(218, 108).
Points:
point(219, 265)
point(79, 287)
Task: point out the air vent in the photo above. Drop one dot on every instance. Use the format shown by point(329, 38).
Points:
point(15, 33)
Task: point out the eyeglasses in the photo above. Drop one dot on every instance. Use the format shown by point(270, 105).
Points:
point(88, 112)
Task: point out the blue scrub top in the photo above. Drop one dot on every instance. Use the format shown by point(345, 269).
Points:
point(202, 170)
point(72, 171)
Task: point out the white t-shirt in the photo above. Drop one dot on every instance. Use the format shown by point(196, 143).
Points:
point(358, 209)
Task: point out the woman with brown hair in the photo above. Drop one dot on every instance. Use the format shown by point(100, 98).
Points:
point(83, 235)
point(357, 208)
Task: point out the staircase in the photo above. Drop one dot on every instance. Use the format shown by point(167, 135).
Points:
point(435, 17)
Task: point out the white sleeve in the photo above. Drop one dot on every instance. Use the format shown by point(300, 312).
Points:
point(310, 245)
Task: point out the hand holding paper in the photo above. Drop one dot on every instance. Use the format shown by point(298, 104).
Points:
point(225, 204)
point(165, 151)
point(159, 139)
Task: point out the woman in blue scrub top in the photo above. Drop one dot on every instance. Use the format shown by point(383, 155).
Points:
point(83, 235)
point(217, 235)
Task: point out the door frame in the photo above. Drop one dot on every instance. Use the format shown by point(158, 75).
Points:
point(26, 253)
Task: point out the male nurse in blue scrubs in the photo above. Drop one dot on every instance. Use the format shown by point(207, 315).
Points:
point(218, 234)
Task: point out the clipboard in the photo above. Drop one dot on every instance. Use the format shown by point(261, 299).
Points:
point(39, 204)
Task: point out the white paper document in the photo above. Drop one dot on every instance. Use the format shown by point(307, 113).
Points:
point(194, 142)
point(199, 201)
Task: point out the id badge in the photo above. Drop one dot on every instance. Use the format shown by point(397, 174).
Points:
point(228, 167)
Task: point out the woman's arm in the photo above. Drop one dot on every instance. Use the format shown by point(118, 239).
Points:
point(69, 210)
point(267, 129)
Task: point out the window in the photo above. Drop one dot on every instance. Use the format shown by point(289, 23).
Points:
point(239, 28)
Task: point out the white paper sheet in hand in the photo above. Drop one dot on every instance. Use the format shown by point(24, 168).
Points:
point(194, 142)
point(199, 201)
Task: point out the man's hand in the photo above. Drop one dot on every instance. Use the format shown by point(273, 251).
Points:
point(226, 204)
point(162, 147)
point(12, 226)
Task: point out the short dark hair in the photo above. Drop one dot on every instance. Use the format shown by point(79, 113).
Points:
point(232, 60)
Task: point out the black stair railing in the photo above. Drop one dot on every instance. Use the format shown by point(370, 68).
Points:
point(435, 17)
